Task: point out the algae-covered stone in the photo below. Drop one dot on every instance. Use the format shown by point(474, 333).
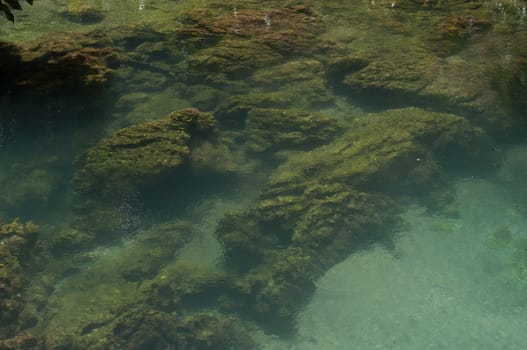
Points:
point(450, 56)
point(249, 39)
point(138, 296)
point(321, 205)
point(107, 283)
point(233, 57)
point(141, 328)
point(180, 285)
point(298, 84)
point(65, 62)
point(380, 149)
point(277, 129)
point(68, 240)
point(221, 158)
point(22, 341)
point(145, 162)
point(83, 12)
point(17, 256)
point(397, 73)
point(294, 70)
point(143, 154)
point(273, 292)
point(153, 248)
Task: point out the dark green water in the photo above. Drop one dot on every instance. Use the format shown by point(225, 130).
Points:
point(362, 185)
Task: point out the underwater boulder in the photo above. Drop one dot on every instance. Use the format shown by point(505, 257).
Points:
point(234, 45)
point(142, 155)
point(156, 159)
point(296, 85)
point(83, 12)
point(144, 329)
point(59, 62)
point(271, 129)
point(453, 56)
point(321, 205)
point(17, 257)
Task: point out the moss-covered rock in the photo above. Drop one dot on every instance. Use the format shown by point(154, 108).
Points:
point(83, 12)
point(452, 33)
point(68, 240)
point(276, 129)
point(233, 57)
point(241, 40)
point(273, 293)
point(380, 149)
point(510, 76)
point(142, 155)
point(443, 55)
point(63, 62)
point(396, 73)
point(113, 178)
point(181, 286)
point(152, 249)
point(104, 283)
point(141, 328)
point(222, 158)
point(138, 296)
point(298, 84)
point(321, 205)
point(17, 257)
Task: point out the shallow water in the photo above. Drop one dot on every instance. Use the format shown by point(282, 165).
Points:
point(449, 286)
point(447, 275)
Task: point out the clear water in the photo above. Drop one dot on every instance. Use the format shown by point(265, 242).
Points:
point(444, 283)
point(449, 287)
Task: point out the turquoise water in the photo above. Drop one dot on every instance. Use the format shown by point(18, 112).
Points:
point(450, 286)
point(354, 177)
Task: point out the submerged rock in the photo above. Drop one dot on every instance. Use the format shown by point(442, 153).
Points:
point(138, 296)
point(58, 62)
point(17, 258)
point(271, 129)
point(157, 158)
point(299, 84)
point(83, 12)
point(142, 155)
point(144, 329)
point(23, 341)
point(320, 206)
point(453, 56)
point(238, 42)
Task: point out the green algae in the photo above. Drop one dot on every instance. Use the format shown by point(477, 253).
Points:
point(142, 154)
point(84, 12)
point(297, 85)
point(108, 282)
point(142, 159)
point(275, 129)
point(141, 328)
point(378, 143)
point(321, 205)
point(444, 55)
point(406, 47)
point(18, 256)
point(180, 286)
